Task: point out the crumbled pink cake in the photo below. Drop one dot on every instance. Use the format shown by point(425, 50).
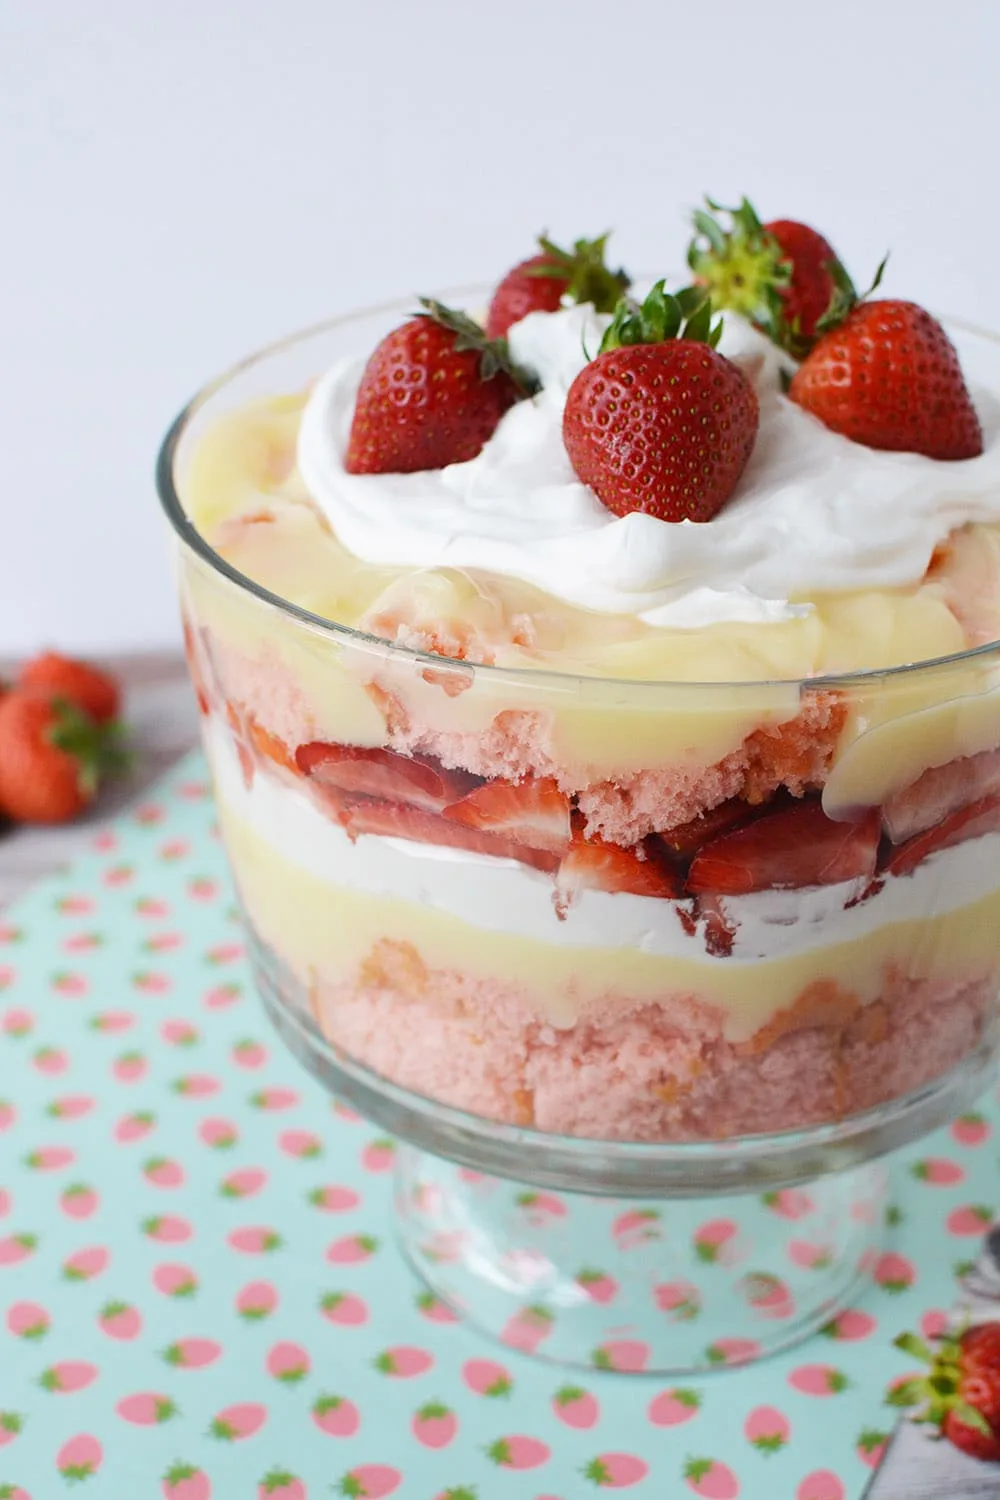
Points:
point(794, 754)
point(644, 1072)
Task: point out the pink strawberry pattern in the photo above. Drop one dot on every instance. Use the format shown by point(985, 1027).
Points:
point(518, 1452)
point(80, 1457)
point(674, 1407)
point(576, 1407)
point(194, 1239)
point(336, 1416)
point(767, 1429)
point(711, 1479)
point(434, 1425)
point(186, 1482)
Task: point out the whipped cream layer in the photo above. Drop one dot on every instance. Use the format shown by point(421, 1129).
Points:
point(505, 896)
point(814, 513)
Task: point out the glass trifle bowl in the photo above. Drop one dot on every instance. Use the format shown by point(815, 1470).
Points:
point(647, 976)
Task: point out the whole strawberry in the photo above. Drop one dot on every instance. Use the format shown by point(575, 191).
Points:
point(660, 422)
point(540, 283)
point(431, 395)
point(783, 275)
point(887, 375)
point(961, 1394)
point(79, 682)
point(51, 757)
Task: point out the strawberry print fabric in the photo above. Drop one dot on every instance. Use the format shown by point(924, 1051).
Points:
point(200, 1293)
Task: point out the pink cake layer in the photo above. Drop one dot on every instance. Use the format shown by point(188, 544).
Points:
point(796, 754)
point(647, 1072)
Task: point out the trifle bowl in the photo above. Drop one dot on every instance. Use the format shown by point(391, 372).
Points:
point(649, 938)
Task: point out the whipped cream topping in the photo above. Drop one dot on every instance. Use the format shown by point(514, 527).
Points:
point(814, 513)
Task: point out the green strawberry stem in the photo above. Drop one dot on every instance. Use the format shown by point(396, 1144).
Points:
point(585, 272)
point(937, 1393)
point(743, 268)
point(494, 355)
point(662, 316)
point(99, 749)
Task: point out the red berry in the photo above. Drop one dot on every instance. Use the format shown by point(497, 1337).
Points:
point(521, 293)
point(795, 846)
point(783, 276)
point(809, 291)
point(663, 428)
point(91, 689)
point(540, 283)
point(427, 399)
point(48, 759)
point(888, 376)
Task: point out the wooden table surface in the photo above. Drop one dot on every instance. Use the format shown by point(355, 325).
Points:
point(160, 708)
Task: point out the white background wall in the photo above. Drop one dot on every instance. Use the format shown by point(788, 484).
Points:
point(181, 180)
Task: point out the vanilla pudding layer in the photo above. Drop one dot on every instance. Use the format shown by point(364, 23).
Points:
point(454, 976)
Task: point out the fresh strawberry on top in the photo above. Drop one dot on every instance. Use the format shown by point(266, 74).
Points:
point(431, 394)
point(540, 283)
point(52, 757)
point(960, 1395)
point(794, 846)
point(79, 682)
point(886, 374)
point(659, 421)
point(783, 275)
point(533, 812)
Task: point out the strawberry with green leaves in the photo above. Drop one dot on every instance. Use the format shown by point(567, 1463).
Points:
point(431, 394)
point(659, 421)
point(540, 283)
point(783, 276)
point(961, 1393)
point(80, 682)
point(53, 756)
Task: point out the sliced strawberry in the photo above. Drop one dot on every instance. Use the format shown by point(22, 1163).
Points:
point(966, 823)
point(272, 748)
point(532, 812)
point(419, 780)
point(687, 838)
point(940, 791)
point(794, 847)
point(592, 865)
point(720, 933)
point(397, 820)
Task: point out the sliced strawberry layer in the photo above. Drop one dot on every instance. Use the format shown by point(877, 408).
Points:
point(397, 820)
point(418, 780)
point(793, 847)
point(940, 791)
point(687, 838)
point(592, 865)
point(966, 823)
point(532, 812)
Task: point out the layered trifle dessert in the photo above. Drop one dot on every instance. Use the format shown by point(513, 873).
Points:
point(598, 689)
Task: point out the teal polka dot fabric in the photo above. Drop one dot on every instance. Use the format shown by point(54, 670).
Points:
point(200, 1293)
